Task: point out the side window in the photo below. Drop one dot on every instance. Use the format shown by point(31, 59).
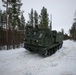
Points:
point(40, 35)
point(34, 33)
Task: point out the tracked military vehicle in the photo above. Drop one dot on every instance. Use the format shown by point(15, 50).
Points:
point(43, 41)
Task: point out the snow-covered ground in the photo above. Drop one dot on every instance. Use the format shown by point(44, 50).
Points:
point(23, 62)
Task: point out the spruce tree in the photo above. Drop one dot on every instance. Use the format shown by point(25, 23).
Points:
point(36, 18)
point(22, 22)
point(13, 15)
point(31, 17)
point(73, 31)
point(44, 20)
point(16, 4)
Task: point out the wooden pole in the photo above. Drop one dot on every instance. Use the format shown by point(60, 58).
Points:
point(51, 21)
point(7, 24)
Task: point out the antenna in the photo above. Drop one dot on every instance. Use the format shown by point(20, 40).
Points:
point(75, 16)
point(50, 21)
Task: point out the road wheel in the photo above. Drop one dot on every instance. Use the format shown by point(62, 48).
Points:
point(52, 51)
point(46, 53)
point(55, 49)
point(49, 53)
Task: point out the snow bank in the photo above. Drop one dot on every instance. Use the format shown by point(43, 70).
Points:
point(23, 62)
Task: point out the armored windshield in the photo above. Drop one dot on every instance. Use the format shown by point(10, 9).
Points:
point(38, 34)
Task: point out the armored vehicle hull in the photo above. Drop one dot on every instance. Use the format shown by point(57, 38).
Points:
point(43, 41)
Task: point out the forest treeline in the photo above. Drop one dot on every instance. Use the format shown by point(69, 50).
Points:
point(72, 32)
point(13, 25)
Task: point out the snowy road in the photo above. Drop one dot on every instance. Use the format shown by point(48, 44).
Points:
point(22, 62)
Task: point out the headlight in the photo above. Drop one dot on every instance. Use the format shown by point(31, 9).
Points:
point(37, 41)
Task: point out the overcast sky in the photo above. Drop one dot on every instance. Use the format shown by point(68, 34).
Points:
point(62, 11)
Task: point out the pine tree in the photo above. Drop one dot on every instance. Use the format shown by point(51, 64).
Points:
point(73, 31)
point(22, 22)
point(66, 37)
point(62, 30)
point(0, 18)
point(10, 19)
point(31, 18)
point(44, 20)
point(2, 28)
point(13, 12)
point(36, 18)
point(16, 4)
